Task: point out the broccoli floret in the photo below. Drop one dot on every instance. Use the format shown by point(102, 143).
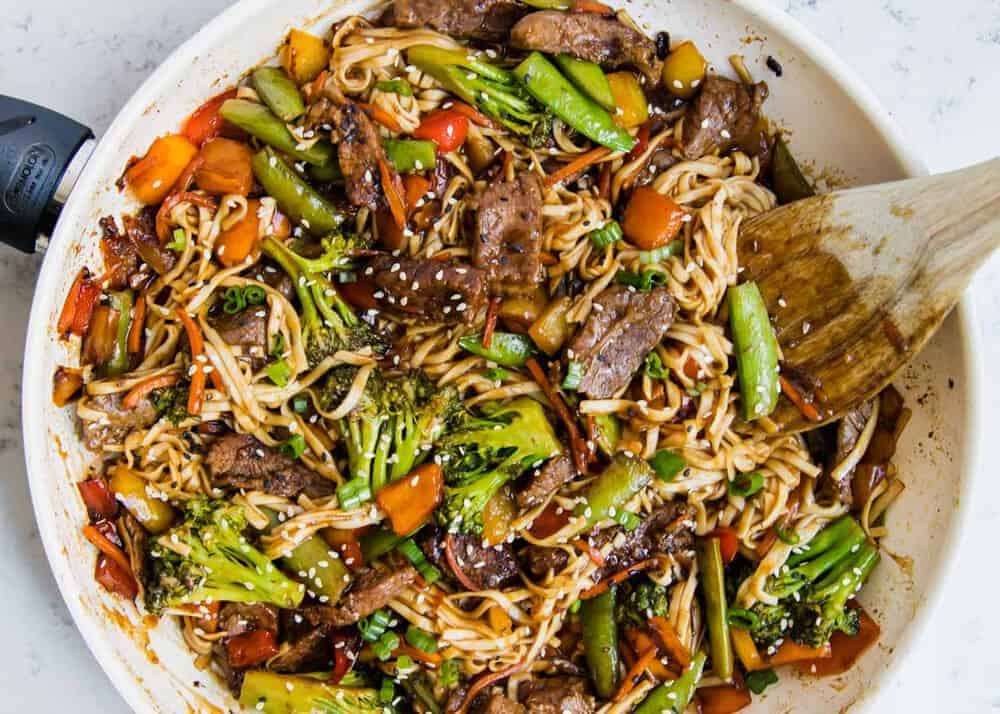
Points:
point(171, 403)
point(494, 90)
point(481, 453)
point(639, 601)
point(207, 558)
point(393, 425)
point(329, 324)
point(280, 694)
point(814, 587)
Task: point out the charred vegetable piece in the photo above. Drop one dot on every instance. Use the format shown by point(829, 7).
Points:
point(600, 641)
point(585, 115)
point(261, 123)
point(756, 350)
point(787, 178)
point(713, 587)
point(279, 93)
point(589, 79)
point(296, 198)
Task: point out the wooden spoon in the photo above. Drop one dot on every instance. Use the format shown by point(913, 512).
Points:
point(857, 281)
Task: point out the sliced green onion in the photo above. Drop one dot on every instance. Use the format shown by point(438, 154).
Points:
point(746, 485)
point(395, 86)
point(278, 349)
point(412, 552)
point(421, 639)
point(294, 447)
point(667, 464)
point(353, 493)
point(497, 374)
point(610, 232)
point(658, 255)
point(279, 372)
point(179, 243)
point(404, 663)
point(787, 536)
point(654, 367)
point(574, 375)
point(300, 405)
point(760, 680)
point(450, 670)
point(742, 619)
point(386, 645)
point(233, 300)
point(628, 521)
point(386, 692)
point(375, 625)
point(575, 607)
point(643, 282)
point(254, 295)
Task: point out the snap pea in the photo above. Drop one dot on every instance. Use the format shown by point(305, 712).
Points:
point(411, 155)
point(674, 697)
point(756, 350)
point(624, 477)
point(119, 362)
point(548, 86)
point(600, 641)
point(279, 93)
point(296, 198)
point(507, 348)
point(609, 432)
point(260, 122)
point(713, 588)
point(589, 78)
point(327, 173)
point(786, 177)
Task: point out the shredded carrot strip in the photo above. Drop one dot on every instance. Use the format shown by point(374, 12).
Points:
point(68, 314)
point(393, 196)
point(592, 552)
point(578, 447)
point(473, 115)
point(381, 116)
point(577, 165)
point(419, 655)
point(449, 554)
point(486, 680)
point(634, 673)
point(620, 576)
point(196, 396)
point(798, 399)
point(491, 321)
point(108, 548)
point(131, 400)
point(598, 8)
point(138, 326)
point(671, 643)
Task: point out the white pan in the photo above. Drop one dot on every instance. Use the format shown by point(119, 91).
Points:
point(837, 127)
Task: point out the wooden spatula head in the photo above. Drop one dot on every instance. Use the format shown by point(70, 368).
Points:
point(857, 281)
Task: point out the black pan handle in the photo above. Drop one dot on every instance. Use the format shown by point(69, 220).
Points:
point(41, 156)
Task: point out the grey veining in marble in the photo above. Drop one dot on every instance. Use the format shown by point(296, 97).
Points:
point(935, 65)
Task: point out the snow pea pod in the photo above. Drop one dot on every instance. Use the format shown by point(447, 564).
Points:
point(589, 77)
point(295, 197)
point(756, 350)
point(674, 697)
point(121, 302)
point(260, 122)
point(713, 587)
point(410, 155)
point(279, 93)
point(600, 641)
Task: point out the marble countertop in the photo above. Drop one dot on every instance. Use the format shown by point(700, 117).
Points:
point(936, 66)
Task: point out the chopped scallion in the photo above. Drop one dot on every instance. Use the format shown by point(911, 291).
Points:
point(746, 485)
point(421, 639)
point(574, 375)
point(667, 464)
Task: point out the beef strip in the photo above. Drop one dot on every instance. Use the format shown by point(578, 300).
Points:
point(117, 421)
point(621, 330)
point(246, 328)
point(668, 530)
point(588, 36)
point(558, 695)
point(499, 704)
point(120, 256)
point(268, 272)
point(724, 115)
point(849, 430)
point(241, 461)
point(487, 20)
point(506, 242)
point(486, 566)
point(546, 481)
point(238, 618)
point(233, 677)
point(141, 230)
point(370, 590)
point(359, 150)
point(431, 290)
point(308, 652)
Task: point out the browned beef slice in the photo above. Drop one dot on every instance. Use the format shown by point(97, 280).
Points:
point(241, 461)
point(120, 252)
point(558, 695)
point(588, 36)
point(232, 676)
point(546, 481)
point(430, 290)
point(486, 566)
point(621, 330)
point(117, 421)
point(849, 430)
point(267, 272)
point(141, 230)
point(668, 530)
point(488, 20)
point(506, 240)
point(308, 651)
point(723, 115)
point(246, 328)
point(371, 589)
point(359, 150)
point(238, 618)
point(499, 704)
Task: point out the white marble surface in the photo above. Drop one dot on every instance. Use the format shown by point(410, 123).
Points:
point(935, 65)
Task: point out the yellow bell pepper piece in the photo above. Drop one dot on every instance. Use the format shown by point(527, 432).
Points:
point(633, 109)
point(683, 70)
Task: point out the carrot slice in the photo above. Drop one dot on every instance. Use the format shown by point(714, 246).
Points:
point(68, 313)
point(381, 116)
point(473, 114)
point(419, 655)
point(196, 396)
point(798, 399)
point(577, 165)
point(491, 321)
point(94, 535)
point(131, 400)
point(411, 500)
point(634, 673)
point(670, 642)
point(393, 193)
point(620, 576)
point(598, 8)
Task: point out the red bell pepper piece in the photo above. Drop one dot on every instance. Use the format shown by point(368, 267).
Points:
point(251, 648)
point(447, 128)
point(100, 502)
point(205, 122)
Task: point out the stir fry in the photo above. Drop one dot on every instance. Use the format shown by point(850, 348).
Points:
point(424, 379)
